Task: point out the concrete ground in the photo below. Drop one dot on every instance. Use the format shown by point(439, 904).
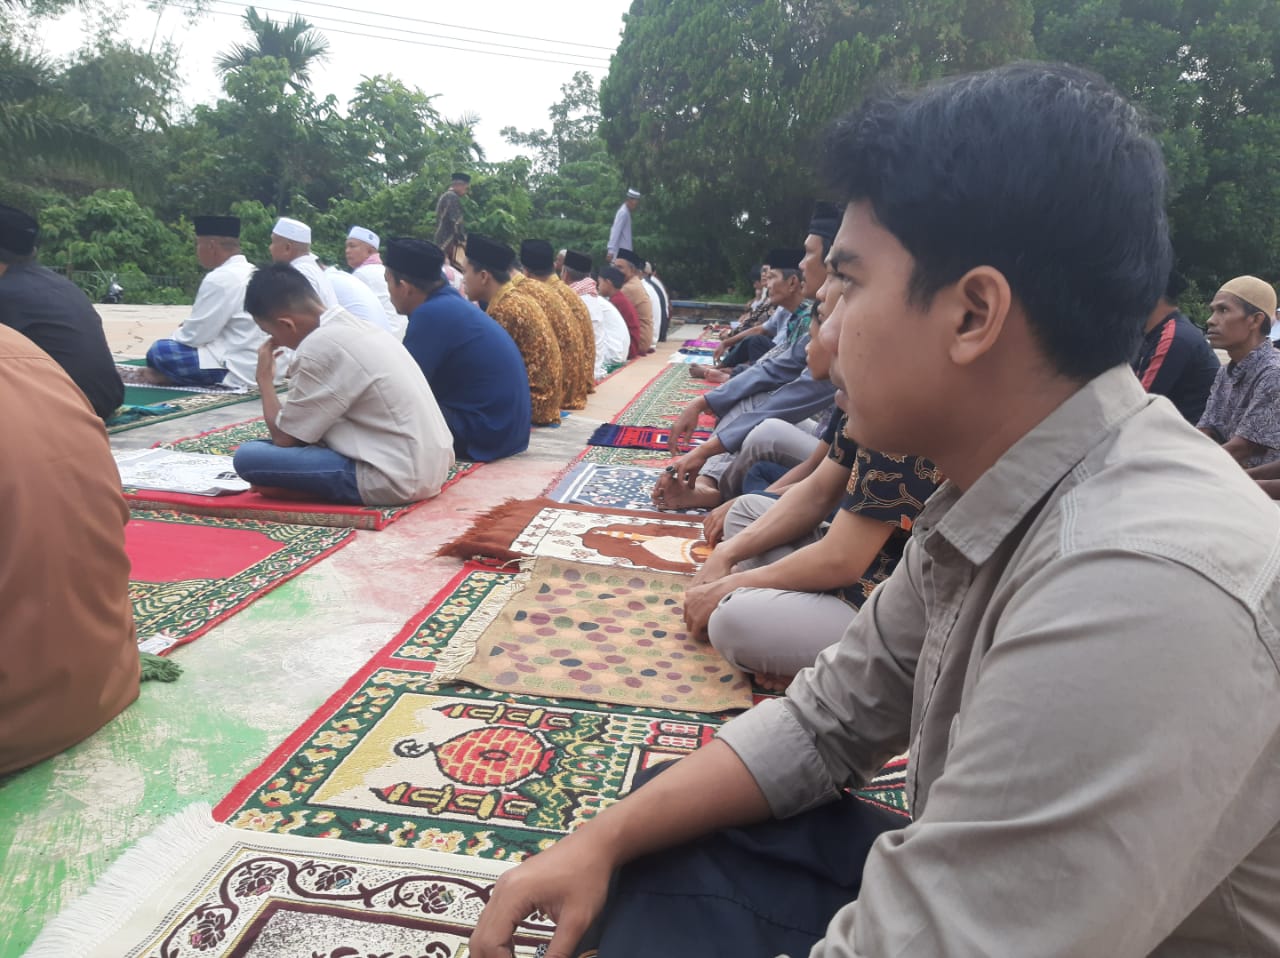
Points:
point(252, 679)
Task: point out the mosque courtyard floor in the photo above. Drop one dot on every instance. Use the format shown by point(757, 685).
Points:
point(251, 680)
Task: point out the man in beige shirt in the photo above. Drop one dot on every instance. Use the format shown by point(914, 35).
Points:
point(359, 424)
point(632, 267)
point(1079, 646)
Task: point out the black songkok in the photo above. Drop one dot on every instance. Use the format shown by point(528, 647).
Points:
point(18, 231)
point(217, 226)
point(485, 253)
point(785, 258)
point(578, 262)
point(414, 257)
point(538, 256)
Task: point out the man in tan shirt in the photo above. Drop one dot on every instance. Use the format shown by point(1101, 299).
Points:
point(632, 267)
point(68, 651)
point(359, 424)
point(1080, 645)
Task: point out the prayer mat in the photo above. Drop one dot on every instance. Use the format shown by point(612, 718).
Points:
point(888, 790)
point(610, 487)
point(224, 441)
point(398, 757)
point(700, 346)
point(613, 456)
point(535, 528)
point(580, 631)
point(184, 403)
point(196, 887)
point(690, 359)
point(663, 398)
point(639, 437)
point(191, 572)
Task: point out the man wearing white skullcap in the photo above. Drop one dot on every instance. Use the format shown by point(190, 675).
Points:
point(620, 234)
point(1243, 411)
point(291, 243)
point(366, 266)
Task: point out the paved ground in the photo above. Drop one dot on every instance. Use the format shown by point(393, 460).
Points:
point(252, 679)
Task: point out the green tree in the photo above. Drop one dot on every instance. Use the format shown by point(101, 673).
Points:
point(295, 41)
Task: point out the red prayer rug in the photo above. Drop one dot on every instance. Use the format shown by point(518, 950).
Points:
point(224, 441)
point(405, 755)
point(639, 437)
point(191, 572)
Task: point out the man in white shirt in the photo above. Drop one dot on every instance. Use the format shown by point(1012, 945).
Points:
point(217, 345)
point(620, 234)
point(359, 424)
point(358, 299)
point(291, 243)
point(366, 266)
point(611, 334)
point(651, 279)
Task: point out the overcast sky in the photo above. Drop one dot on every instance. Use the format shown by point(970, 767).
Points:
point(502, 75)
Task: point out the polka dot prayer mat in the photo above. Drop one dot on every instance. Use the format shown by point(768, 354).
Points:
point(191, 572)
point(224, 441)
point(604, 635)
point(663, 398)
point(194, 887)
point(405, 755)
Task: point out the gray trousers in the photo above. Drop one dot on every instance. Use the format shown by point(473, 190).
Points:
point(774, 440)
point(774, 631)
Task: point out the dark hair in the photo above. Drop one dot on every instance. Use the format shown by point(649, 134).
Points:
point(1041, 171)
point(417, 282)
point(277, 289)
point(613, 275)
point(1175, 286)
point(753, 275)
point(10, 258)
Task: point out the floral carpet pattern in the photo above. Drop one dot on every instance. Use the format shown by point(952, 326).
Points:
point(663, 398)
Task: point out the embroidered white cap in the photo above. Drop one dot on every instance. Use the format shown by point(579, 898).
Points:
point(290, 229)
point(633, 194)
point(364, 236)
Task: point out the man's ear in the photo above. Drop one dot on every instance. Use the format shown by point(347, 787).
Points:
point(975, 309)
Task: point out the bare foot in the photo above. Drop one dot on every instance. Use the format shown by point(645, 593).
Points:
point(773, 683)
point(718, 375)
point(142, 376)
point(669, 493)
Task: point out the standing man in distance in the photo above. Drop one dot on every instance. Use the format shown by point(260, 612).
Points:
point(620, 233)
point(451, 235)
point(366, 266)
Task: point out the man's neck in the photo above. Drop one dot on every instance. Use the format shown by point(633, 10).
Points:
point(792, 304)
point(1238, 353)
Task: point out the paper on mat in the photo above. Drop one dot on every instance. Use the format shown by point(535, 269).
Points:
point(187, 472)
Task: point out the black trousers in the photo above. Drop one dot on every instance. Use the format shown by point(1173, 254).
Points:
point(746, 351)
point(765, 890)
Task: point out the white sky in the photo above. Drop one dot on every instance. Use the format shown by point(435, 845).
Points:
point(501, 89)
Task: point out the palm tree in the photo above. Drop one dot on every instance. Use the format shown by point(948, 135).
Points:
point(296, 42)
point(41, 130)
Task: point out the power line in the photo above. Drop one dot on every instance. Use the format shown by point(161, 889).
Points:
point(454, 26)
point(400, 39)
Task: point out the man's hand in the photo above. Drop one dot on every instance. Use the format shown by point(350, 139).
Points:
point(568, 882)
point(701, 600)
point(266, 372)
point(717, 566)
point(685, 469)
point(682, 432)
point(713, 524)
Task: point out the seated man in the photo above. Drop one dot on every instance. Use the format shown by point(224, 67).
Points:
point(55, 314)
point(608, 328)
point(746, 342)
point(68, 651)
point(577, 356)
point(1078, 647)
point(611, 283)
point(1175, 360)
point(291, 243)
point(217, 345)
point(487, 275)
point(1243, 411)
point(359, 425)
point(358, 299)
point(473, 366)
point(632, 268)
point(779, 386)
point(366, 265)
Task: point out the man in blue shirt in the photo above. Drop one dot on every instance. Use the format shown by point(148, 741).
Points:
point(474, 368)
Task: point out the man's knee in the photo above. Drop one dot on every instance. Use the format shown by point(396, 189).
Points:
point(765, 438)
point(744, 511)
point(253, 457)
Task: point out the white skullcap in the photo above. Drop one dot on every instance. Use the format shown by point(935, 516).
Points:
point(633, 194)
point(294, 230)
point(364, 236)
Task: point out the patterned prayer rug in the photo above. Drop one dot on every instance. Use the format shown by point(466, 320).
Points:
point(196, 887)
point(539, 527)
point(609, 487)
point(613, 456)
point(399, 757)
point(888, 790)
point(191, 572)
point(183, 403)
point(224, 441)
point(663, 398)
point(588, 632)
point(700, 346)
point(638, 437)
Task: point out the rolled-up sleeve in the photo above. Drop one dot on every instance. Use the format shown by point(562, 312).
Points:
point(1051, 830)
point(843, 718)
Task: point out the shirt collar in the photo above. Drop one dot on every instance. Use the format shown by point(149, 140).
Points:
point(1257, 356)
point(978, 520)
point(374, 260)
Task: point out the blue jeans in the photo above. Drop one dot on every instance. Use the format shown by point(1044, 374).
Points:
point(315, 470)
